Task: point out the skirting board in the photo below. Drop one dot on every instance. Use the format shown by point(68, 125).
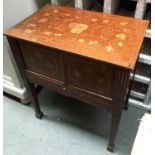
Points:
point(20, 93)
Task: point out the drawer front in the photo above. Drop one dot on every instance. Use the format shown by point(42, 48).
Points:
point(42, 60)
point(90, 75)
point(87, 97)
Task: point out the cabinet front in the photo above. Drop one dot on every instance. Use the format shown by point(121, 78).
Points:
point(90, 75)
point(42, 60)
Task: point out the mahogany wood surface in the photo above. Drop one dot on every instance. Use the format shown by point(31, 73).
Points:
point(110, 38)
point(81, 54)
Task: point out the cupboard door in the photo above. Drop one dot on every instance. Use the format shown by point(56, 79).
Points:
point(42, 60)
point(90, 75)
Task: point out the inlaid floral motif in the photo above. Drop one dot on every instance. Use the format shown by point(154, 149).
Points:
point(42, 20)
point(120, 44)
point(77, 28)
point(46, 14)
point(57, 34)
point(92, 42)
point(105, 37)
point(29, 31)
point(81, 40)
point(123, 23)
point(48, 33)
point(32, 25)
point(109, 48)
point(121, 36)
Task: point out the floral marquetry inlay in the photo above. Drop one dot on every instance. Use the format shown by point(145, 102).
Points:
point(77, 28)
point(81, 40)
point(123, 23)
point(92, 42)
point(96, 35)
point(121, 36)
point(48, 33)
point(43, 20)
point(57, 34)
point(120, 44)
point(29, 31)
point(109, 48)
point(32, 25)
point(46, 14)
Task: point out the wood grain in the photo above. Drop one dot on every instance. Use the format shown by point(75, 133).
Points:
point(81, 54)
point(110, 38)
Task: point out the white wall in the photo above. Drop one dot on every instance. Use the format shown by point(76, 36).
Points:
point(15, 11)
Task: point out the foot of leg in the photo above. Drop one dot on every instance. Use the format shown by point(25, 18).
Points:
point(39, 115)
point(125, 107)
point(111, 147)
point(114, 127)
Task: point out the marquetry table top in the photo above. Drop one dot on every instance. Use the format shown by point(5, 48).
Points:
point(109, 38)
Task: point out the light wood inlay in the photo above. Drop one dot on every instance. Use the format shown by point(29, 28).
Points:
point(82, 54)
point(85, 33)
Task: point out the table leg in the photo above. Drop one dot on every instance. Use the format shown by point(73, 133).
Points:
point(126, 103)
point(121, 83)
point(33, 96)
point(16, 50)
point(114, 127)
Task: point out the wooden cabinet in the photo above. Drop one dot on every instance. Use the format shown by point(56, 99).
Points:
point(81, 54)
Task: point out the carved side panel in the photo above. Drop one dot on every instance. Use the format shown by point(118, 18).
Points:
point(41, 60)
point(121, 83)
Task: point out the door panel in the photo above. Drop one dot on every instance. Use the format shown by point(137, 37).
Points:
point(42, 60)
point(90, 75)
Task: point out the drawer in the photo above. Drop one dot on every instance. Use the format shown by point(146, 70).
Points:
point(42, 60)
point(90, 98)
point(90, 75)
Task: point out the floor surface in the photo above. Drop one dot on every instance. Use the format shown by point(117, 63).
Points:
point(69, 127)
